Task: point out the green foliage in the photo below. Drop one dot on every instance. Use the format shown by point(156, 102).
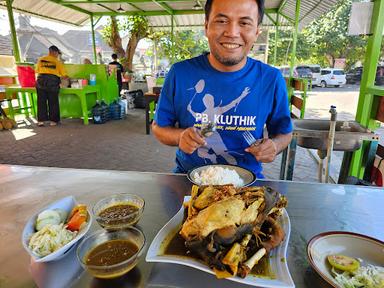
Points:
point(324, 40)
point(127, 25)
point(188, 44)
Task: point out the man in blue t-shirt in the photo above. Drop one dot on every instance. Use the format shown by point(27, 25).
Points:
point(229, 89)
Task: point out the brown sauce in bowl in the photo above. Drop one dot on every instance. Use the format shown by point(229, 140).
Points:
point(120, 213)
point(111, 252)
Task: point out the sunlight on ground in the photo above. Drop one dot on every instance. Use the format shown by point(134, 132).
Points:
point(22, 133)
point(23, 130)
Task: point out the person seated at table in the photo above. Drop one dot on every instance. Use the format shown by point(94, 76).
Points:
point(87, 61)
point(229, 90)
point(49, 69)
point(119, 71)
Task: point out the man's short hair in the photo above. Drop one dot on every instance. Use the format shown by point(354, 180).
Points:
point(260, 5)
point(54, 48)
point(114, 56)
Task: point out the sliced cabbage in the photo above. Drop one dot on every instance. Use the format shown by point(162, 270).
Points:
point(49, 239)
point(367, 276)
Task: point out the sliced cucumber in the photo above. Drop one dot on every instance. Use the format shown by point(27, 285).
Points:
point(344, 263)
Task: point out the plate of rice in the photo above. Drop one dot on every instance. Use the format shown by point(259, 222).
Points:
point(220, 174)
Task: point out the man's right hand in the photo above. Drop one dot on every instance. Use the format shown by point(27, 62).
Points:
point(190, 139)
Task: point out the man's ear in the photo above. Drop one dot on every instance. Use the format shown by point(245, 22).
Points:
point(258, 31)
point(205, 27)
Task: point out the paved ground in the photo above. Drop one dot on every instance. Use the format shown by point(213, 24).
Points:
point(123, 145)
point(116, 145)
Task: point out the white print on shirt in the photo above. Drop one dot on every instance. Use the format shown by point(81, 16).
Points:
point(227, 119)
point(215, 146)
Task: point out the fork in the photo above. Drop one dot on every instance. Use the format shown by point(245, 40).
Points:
point(251, 140)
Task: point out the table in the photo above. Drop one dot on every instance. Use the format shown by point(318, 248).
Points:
point(313, 208)
point(150, 106)
point(81, 93)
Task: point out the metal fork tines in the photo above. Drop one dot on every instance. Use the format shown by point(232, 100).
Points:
point(250, 139)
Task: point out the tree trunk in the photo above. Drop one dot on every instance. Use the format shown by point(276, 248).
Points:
point(331, 59)
point(115, 41)
point(130, 51)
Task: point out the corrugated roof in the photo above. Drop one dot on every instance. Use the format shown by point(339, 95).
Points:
point(6, 45)
point(78, 12)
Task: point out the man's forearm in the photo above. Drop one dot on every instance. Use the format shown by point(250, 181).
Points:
point(167, 135)
point(282, 141)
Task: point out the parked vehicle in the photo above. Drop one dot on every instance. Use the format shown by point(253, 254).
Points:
point(380, 76)
point(354, 75)
point(315, 69)
point(332, 76)
point(298, 72)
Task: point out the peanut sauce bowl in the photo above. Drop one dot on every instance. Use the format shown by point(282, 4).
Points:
point(118, 211)
point(110, 254)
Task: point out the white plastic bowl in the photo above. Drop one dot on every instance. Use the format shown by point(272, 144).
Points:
point(66, 204)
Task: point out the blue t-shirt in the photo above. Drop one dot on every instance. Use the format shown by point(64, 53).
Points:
point(245, 100)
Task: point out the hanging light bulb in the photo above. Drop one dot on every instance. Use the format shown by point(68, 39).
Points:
point(120, 10)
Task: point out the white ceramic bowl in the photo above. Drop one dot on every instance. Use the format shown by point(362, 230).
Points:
point(66, 204)
point(247, 176)
point(368, 249)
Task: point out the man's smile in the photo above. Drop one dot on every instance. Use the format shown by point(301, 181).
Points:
point(230, 45)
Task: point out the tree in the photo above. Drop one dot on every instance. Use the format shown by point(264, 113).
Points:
point(187, 44)
point(137, 28)
point(324, 40)
point(329, 34)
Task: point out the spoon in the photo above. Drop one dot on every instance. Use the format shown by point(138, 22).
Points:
point(207, 129)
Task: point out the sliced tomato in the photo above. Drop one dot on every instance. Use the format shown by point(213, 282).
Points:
point(77, 217)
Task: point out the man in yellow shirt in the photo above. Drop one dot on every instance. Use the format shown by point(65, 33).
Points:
point(49, 69)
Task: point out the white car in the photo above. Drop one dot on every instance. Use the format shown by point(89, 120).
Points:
point(332, 76)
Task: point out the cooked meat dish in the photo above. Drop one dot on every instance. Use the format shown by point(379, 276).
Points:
point(230, 228)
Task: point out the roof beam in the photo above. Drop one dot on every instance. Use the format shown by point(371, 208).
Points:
point(149, 13)
point(282, 4)
point(119, 1)
point(106, 7)
point(164, 6)
point(161, 12)
point(270, 18)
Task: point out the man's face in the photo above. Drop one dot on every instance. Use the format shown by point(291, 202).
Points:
point(54, 53)
point(231, 31)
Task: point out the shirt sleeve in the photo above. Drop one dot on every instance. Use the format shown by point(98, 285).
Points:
point(38, 66)
point(61, 68)
point(279, 121)
point(165, 111)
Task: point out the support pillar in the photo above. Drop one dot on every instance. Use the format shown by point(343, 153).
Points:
point(15, 42)
point(93, 40)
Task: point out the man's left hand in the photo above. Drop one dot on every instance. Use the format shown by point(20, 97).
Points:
point(265, 151)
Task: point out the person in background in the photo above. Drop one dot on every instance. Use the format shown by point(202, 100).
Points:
point(226, 89)
point(49, 69)
point(87, 61)
point(119, 71)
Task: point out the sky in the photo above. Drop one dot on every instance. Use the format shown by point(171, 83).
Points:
point(60, 28)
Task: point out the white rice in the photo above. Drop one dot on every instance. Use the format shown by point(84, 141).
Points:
point(216, 175)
